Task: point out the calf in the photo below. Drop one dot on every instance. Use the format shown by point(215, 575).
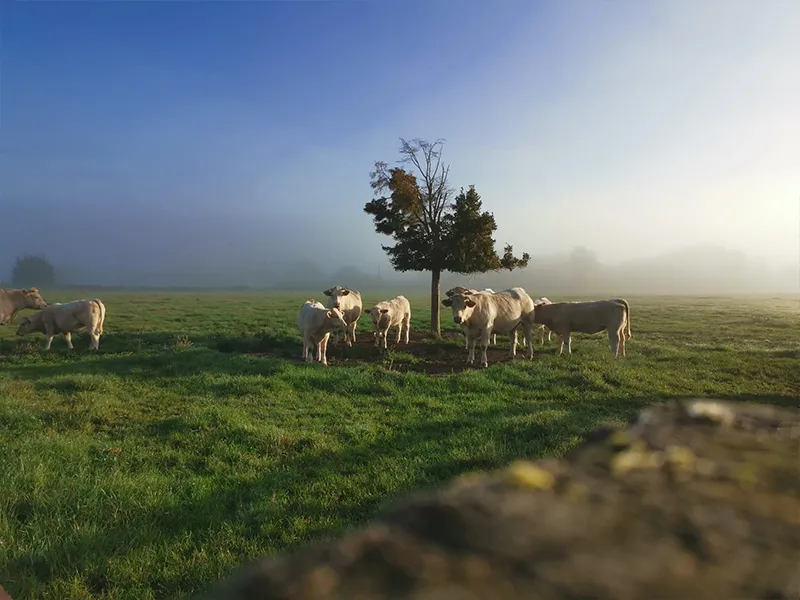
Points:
point(482, 314)
point(72, 317)
point(316, 323)
point(349, 303)
point(563, 318)
point(14, 300)
point(390, 313)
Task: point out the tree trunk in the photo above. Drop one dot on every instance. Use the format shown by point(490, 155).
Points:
point(436, 276)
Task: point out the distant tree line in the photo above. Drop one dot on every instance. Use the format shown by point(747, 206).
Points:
point(33, 271)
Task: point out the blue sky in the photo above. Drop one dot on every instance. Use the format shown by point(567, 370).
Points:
point(178, 133)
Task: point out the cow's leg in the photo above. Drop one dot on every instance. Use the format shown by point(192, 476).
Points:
point(622, 340)
point(353, 326)
point(309, 344)
point(68, 338)
point(471, 344)
point(613, 341)
point(549, 334)
point(385, 336)
point(568, 340)
point(541, 335)
point(527, 330)
point(408, 327)
point(399, 331)
point(95, 343)
point(323, 352)
point(484, 347)
point(560, 343)
point(49, 334)
point(512, 337)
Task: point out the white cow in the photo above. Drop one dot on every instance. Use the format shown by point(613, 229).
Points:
point(87, 314)
point(390, 313)
point(563, 318)
point(349, 302)
point(14, 300)
point(502, 312)
point(316, 323)
point(460, 289)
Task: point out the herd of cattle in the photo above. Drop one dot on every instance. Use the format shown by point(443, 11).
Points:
point(481, 314)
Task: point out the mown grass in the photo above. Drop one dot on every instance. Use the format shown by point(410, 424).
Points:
point(195, 440)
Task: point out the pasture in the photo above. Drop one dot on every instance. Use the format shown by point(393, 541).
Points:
point(196, 439)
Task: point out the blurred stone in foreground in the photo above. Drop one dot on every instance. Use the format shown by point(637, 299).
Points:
point(695, 501)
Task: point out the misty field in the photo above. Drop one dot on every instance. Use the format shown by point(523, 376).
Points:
point(196, 439)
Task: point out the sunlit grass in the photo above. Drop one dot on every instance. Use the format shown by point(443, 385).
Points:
point(196, 440)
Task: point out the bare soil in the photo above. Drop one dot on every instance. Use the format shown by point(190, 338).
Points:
point(423, 353)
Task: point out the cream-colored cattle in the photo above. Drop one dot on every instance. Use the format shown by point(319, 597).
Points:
point(460, 289)
point(563, 318)
point(13, 300)
point(482, 314)
point(316, 323)
point(349, 302)
point(390, 313)
point(543, 328)
point(77, 316)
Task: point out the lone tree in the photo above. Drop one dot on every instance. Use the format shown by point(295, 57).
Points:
point(432, 233)
point(33, 270)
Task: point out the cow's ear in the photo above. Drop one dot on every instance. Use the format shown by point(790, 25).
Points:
point(327, 292)
point(345, 292)
point(384, 310)
point(449, 293)
point(470, 303)
point(447, 302)
point(368, 311)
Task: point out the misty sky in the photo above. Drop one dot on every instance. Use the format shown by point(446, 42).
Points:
point(173, 134)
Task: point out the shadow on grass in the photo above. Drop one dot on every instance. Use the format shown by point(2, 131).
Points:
point(301, 471)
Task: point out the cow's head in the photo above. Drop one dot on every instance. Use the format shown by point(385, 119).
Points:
point(459, 289)
point(462, 306)
point(33, 299)
point(335, 294)
point(377, 314)
point(26, 326)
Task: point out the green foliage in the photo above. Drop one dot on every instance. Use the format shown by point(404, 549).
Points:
point(156, 466)
point(431, 233)
point(30, 270)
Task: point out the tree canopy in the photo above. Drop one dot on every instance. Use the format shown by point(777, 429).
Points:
point(32, 270)
point(432, 233)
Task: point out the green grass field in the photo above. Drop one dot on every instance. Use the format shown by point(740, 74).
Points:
point(196, 440)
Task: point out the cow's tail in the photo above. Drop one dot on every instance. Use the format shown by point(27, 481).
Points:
point(627, 318)
point(101, 307)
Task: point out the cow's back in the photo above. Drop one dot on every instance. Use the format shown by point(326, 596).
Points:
point(496, 310)
point(72, 316)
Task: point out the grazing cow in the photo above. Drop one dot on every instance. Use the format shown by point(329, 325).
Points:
point(77, 316)
point(482, 314)
point(349, 302)
point(13, 301)
point(543, 328)
point(390, 313)
point(587, 317)
point(316, 323)
point(460, 289)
